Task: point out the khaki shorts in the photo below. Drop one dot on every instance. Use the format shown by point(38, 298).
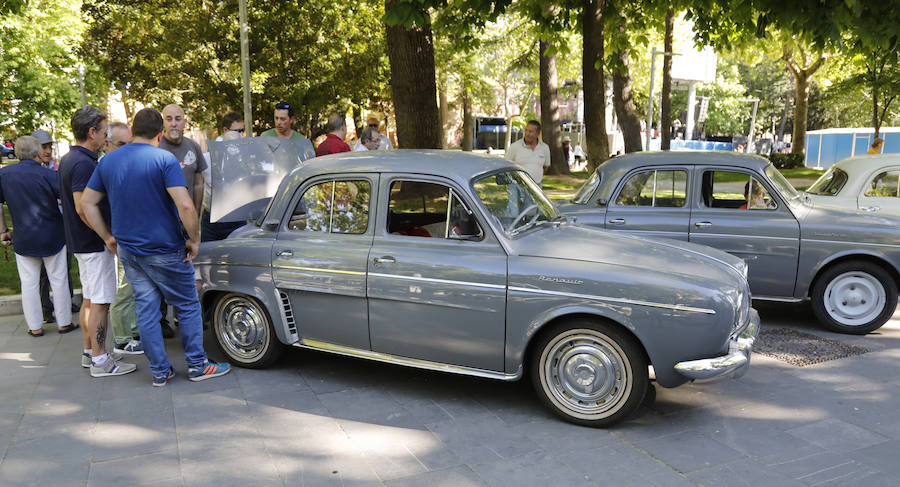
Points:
point(98, 276)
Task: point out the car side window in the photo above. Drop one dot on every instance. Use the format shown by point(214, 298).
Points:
point(424, 209)
point(659, 189)
point(885, 184)
point(735, 190)
point(333, 206)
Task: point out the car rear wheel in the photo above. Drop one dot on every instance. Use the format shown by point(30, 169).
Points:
point(244, 331)
point(589, 373)
point(854, 297)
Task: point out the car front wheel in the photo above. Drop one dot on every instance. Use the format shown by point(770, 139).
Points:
point(854, 298)
point(244, 331)
point(589, 373)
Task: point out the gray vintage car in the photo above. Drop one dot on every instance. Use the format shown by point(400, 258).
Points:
point(459, 263)
point(847, 262)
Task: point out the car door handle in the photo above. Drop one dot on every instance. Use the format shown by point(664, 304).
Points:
point(384, 260)
point(284, 253)
point(703, 224)
point(617, 221)
point(869, 208)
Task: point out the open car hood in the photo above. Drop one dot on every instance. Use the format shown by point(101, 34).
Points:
point(245, 173)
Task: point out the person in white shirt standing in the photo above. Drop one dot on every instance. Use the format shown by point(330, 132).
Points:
point(530, 152)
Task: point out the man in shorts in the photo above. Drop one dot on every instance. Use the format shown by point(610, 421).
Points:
point(96, 264)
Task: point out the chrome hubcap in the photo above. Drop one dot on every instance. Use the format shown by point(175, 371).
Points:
point(586, 373)
point(242, 328)
point(854, 298)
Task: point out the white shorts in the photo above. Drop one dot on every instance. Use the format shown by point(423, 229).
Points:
point(98, 276)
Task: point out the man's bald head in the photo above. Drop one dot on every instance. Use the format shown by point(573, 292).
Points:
point(174, 120)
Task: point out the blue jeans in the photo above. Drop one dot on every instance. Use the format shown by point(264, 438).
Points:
point(165, 275)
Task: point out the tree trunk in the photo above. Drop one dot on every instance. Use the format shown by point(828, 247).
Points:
point(801, 108)
point(665, 102)
point(787, 107)
point(444, 109)
point(468, 122)
point(507, 139)
point(357, 120)
point(596, 139)
point(550, 112)
point(876, 121)
point(411, 55)
point(623, 98)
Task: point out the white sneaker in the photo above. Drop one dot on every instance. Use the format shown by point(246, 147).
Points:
point(133, 347)
point(86, 358)
point(110, 367)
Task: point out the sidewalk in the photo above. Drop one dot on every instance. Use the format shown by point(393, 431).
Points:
point(318, 419)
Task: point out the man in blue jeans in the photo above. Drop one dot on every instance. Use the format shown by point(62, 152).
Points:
point(149, 202)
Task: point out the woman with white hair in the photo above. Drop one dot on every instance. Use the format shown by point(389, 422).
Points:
point(31, 191)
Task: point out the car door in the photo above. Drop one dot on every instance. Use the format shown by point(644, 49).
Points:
point(882, 192)
point(319, 258)
point(762, 231)
point(651, 202)
point(437, 280)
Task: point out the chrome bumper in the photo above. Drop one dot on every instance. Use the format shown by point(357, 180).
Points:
point(735, 363)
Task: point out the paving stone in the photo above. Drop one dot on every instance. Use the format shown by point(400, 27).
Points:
point(534, 468)
point(689, 451)
point(821, 467)
point(623, 465)
point(558, 437)
point(246, 467)
point(136, 435)
point(883, 457)
point(838, 435)
point(280, 400)
point(460, 476)
point(153, 469)
point(481, 438)
point(742, 473)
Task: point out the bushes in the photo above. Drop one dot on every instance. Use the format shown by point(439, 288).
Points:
point(786, 161)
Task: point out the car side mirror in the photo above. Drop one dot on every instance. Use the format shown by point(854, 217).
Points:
point(271, 224)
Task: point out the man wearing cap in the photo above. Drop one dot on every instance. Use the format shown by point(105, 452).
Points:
point(284, 121)
point(45, 157)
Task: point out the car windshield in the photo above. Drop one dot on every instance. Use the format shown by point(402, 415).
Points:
point(514, 200)
point(830, 183)
point(587, 189)
point(787, 190)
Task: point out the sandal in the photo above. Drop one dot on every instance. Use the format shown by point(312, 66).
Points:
point(35, 333)
point(68, 328)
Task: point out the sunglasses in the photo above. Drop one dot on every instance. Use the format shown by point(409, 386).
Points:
point(240, 130)
point(283, 106)
point(373, 125)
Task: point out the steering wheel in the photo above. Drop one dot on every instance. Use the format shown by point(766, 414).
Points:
point(521, 215)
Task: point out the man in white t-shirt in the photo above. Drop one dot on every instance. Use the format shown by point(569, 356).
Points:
point(530, 152)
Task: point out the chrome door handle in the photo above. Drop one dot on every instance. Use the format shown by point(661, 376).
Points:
point(703, 224)
point(284, 253)
point(617, 221)
point(384, 260)
point(869, 208)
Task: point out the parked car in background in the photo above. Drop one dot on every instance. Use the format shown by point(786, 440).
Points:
point(7, 152)
point(847, 262)
point(868, 183)
point(459, 263)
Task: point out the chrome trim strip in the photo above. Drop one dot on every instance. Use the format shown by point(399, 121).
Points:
point(320, 270)
point(778, 299)
point(406, 361)
point(851, 242)
point(439, 281)
point(704, 234)
point(225, 262)
point(677, 307)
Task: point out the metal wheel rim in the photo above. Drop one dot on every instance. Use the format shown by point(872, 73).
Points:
point(586, 374)
point(854, 298)
point(242, 328)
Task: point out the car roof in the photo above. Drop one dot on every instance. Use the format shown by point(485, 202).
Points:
point(868, 162)
point(456, 165)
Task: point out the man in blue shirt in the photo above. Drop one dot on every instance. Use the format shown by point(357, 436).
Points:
point(96, 264)
point(30, 191)
point(150, 202)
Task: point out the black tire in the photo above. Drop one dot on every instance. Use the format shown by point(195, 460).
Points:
point(855, 297)
point(244, 331)
point(597, 355)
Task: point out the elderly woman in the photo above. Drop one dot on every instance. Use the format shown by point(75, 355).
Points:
point(31, 191)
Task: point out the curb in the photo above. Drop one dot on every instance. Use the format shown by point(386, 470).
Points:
point(12, 305)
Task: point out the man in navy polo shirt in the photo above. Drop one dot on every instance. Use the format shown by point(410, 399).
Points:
point(150, 202)
point(30, 190)
point(96, 264)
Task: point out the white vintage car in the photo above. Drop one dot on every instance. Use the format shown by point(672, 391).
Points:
point(868, 183)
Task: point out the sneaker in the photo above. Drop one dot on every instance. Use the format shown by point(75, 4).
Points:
point(164, 379)
point(112, 367)
point(133, 347)
point(86, 358)
point(208, 370)
point(167, 331)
